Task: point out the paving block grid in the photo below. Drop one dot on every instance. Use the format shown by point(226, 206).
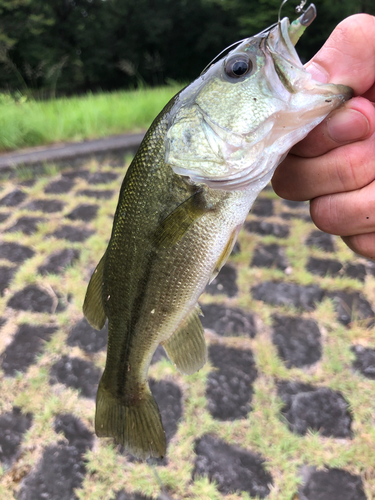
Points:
point(284, 408)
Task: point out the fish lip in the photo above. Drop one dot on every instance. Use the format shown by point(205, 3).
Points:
point(290, 69)
point(278, 42)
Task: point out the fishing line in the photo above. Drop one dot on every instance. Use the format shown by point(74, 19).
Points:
point(281, 6)
point(266, 30)
point(298, 9)
point(221, 53)
point(164, 495)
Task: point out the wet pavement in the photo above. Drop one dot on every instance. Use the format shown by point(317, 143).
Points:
point(283, 410)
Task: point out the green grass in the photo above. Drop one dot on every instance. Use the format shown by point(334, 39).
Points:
point(33, 123)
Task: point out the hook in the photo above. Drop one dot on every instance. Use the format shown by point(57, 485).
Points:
point(300, 7)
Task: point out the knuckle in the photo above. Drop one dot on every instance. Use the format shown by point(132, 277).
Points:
point(325, 214)
point(352, 166)
point(346, 170)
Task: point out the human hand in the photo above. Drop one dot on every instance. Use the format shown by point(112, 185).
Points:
point(334, 166)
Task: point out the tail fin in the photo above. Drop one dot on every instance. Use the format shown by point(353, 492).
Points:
point(137, 427)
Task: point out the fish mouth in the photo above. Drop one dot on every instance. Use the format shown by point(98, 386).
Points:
point(279, 44)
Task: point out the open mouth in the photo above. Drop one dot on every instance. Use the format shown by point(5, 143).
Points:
point(280, 44)
point(281, 41)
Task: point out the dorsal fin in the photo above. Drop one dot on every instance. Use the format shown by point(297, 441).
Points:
point(93, 305)
point(187, 348)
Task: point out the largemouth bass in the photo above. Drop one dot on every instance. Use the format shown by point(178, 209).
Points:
point(182, 203)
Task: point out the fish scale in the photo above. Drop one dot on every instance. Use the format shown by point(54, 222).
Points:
point(182, 202)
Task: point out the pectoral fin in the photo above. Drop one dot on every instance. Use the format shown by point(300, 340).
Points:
point(177, 223)
point(93, 305)
point(187, 348)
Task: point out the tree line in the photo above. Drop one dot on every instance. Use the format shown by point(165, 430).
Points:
point(72, 46)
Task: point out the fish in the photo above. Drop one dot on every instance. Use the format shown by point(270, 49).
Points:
point(182, 203)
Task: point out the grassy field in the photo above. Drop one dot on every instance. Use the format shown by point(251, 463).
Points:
point(32, 123)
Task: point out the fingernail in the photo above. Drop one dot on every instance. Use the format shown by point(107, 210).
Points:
point(317, 72)
point(348, 126)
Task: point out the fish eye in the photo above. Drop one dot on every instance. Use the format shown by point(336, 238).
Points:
point(238, 65)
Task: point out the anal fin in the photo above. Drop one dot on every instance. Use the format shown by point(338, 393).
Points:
point(93, 305)
point(187, 348)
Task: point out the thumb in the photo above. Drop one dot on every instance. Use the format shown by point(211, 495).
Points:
point(348, 56)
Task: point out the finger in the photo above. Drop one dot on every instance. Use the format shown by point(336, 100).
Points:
point(345, 214)
point(354, 121)
point(362, 244)
point(348, 56)
point(348, 168)
point(370, 94)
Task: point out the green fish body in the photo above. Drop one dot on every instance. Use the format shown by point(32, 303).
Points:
point(182, 203)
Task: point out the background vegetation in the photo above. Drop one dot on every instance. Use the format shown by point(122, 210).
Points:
point(32, 122)
point(73, 46)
